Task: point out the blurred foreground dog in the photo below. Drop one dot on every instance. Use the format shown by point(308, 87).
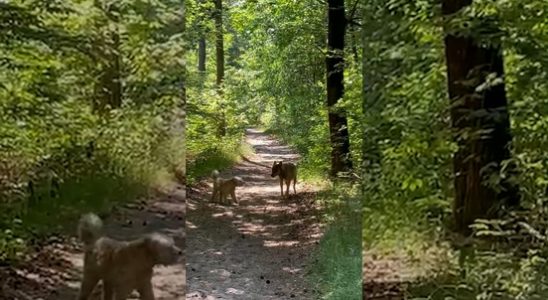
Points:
point(286, 172)
point(225, 186)
point(122, 266)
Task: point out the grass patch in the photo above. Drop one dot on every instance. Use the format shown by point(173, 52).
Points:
point(217, 157)
point(95, 192)
point(390, 224)
point(58, 213)
point(313, 166)
point(72, 179)
point(401, 231)
point(338, 259)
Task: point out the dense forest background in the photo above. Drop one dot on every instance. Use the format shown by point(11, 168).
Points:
point(264, 64)
point(91, 106)
point(419, 118)
point(425, 133)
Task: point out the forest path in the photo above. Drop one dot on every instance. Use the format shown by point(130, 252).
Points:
point(383, 277)
point(400, 276)
point(257, 249)
point(54, 271)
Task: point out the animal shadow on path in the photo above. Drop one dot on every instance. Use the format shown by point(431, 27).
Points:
point(260, 248)
point(54, 271)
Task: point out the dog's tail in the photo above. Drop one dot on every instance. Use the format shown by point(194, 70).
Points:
point(215, 174)
point(89, 229)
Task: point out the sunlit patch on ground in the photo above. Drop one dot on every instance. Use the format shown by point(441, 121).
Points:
point(265, 241)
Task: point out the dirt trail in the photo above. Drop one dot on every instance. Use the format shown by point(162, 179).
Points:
point(54, 272)
point(399, 277)
point(383, 278)
point(258, 249)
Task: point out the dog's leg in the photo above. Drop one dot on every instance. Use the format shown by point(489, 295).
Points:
point(287, 184)
point(145, 291)
point(107, 291)
point(282, 186)
point(88, 283)
point(294, 182)
point(215, 192)
point(233, 194)
point(227, 202)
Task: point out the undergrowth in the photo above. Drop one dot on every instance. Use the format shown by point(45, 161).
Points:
point(204, 157)
point(82, 163)
point(312, 166)
point(338, 258)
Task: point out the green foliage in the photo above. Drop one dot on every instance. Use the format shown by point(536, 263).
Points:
point(235, 105)
point(206, 149)
point(275, 79)
point(339, 257)
point(60, 157)
point(280, 85)
point(408, 193)
point(283, 86)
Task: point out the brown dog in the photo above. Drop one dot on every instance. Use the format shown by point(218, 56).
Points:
point(225, 186)
point(122, 266)
point(286, 172)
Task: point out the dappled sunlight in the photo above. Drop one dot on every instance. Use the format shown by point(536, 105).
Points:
point(190, 225)
point(292, 270)
point(271, 244)
point(279, 157)
point(192, 205)
point(223, 214)
point(54, 271)
point(247, 242)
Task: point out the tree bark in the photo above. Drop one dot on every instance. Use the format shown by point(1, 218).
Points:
point(338, 125)
point(219, 45)
point(355, 40)
point(483, 118)
point(202, 54)
point(371, 102)
point(108, 91)
point(220, 59)
point(116, 80)
point(180, 171)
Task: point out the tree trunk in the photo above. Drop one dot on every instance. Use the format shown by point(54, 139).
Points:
point(108, 91)
point(202, 41)
point(219, 45)
point(483, 117)
point(355, 40)
point(220, 59)
point(180, 171)
point(340, 142)
point(116, 81)
point(371, 104)
point(202, 54)
point(365, 109)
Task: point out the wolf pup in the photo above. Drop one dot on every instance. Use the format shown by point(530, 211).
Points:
point(286, 172)
point(122, 266)
point(225, 186)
